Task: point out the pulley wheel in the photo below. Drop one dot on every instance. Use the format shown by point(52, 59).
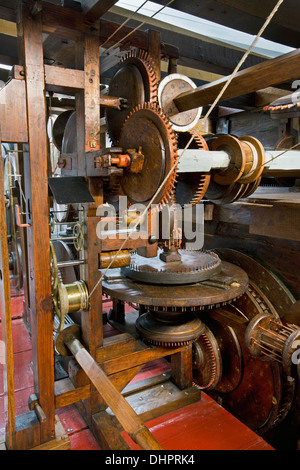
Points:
point(170, 88)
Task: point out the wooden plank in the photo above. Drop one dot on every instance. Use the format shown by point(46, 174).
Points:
point(154, 50)
point(13, 118)
point(59, 78)
point(6, 323)
point(117, 346)
point(266, 74)
point(108, 432)
point(65, 22)
point(61, 441)
point(146, 383)
point(137, 358)
point(66, 394)
point(280, 221)
point(179, 400)
point(182, 367)
point(38, 234)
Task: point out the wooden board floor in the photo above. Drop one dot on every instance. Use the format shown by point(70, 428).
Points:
point(203, 425)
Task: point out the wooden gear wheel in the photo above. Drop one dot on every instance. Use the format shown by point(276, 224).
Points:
point(135, 81)
point(148, 127)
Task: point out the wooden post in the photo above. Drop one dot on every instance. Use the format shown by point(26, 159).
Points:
point(92, 320)
point(36, 188)
point(182, 367)
point(154, 49)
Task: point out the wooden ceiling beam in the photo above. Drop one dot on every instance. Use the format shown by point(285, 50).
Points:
point(137, 39)
point(247, 16)
point(268, 73)
point(94, 9)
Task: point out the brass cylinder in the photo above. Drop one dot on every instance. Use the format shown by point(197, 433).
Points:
point(118, 260)
point(78, 296)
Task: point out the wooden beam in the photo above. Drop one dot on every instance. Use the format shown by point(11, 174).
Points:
point(36, 190)
point(137, 39)
point(94, 9)
point(266, 74)
point(58, 78)
point(247, 16)
point(13, 119)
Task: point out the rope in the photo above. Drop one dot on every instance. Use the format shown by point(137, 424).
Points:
point(123, 24)
point(139, 26)
point(140, 218)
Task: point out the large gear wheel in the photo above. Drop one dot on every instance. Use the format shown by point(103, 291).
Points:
point(135, 80)
point(148, 127)
point(191, 187)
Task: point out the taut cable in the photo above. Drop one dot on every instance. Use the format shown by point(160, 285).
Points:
point(230, 78)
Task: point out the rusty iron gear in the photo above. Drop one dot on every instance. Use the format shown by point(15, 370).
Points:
point(135, 80)
point(207, 363)
point(148, 127)
point(169, 334)
point(191, 187)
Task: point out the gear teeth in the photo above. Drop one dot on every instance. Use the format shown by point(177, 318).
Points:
point(171, 182)
point(153, 80)
point(167, 344)
point(204, 178)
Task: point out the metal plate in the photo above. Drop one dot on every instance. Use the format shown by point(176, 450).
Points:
point(70, 190)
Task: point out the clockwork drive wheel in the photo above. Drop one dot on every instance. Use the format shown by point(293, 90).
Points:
point(148, 128)
point(135, 81)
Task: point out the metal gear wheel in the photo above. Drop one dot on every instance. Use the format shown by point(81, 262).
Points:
point(207, 362)
point(169, 334)
point(191, 187)
point(193, 266)
point(148, 127)
point(135, 80)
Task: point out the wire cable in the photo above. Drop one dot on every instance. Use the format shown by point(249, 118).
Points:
point(138, 27)
point(230, 78)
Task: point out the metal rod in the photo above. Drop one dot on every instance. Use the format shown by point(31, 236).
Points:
point(67, 264)
point(63, 239)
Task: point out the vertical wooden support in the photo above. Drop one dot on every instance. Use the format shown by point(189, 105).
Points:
point(88, 111)
point(92, 320)
point(182, 367)
point(154, 49)
point(36, 187)
point(6, 351)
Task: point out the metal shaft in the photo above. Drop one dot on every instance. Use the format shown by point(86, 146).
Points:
point(194, 161)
